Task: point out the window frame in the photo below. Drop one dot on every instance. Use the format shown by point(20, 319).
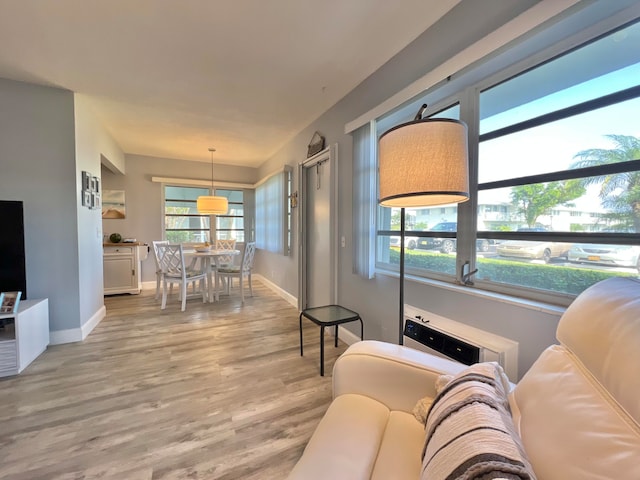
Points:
point(212, 231)
point(468, 233)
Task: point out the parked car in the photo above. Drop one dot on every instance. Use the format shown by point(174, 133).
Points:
point(448, 245)
point(614, 255)
point(532, 250)
point(409, 242)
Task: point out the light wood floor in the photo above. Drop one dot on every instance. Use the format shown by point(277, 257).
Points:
point(217, 392)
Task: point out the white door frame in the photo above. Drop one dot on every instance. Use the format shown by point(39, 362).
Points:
point(329, 154)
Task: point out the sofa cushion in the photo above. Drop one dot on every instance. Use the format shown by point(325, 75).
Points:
point(469, 430)
point(346, 442)
point(399, 455)
point(606, 314)
point(570, 426)
point(359, 438)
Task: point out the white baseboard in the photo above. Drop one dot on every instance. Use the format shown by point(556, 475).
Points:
point(272, 286)
point(71, 335)
point(346, 336)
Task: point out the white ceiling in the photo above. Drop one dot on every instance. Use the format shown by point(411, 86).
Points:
point(170, 78)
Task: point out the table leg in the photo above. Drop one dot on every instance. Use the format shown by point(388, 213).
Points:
point(209, 279)
point(301, 352)
point(217, 280)
point(322, 351)
point(336, 336)
point(361, 329)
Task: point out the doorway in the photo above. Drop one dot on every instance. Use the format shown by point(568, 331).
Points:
point(318, 269)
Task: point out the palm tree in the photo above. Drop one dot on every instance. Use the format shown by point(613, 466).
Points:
point(619, 192)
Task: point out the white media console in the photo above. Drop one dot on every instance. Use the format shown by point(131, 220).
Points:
point(24, 337)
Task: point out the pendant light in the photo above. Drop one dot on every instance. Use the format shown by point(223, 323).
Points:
point(212, 205)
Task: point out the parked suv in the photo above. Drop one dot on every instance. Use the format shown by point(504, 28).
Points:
point(448, 245)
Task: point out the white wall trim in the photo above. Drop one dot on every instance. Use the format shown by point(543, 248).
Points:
point(90, 324)
point(523, 23)
point(71, 335)
point(200, 183)
point(272, 286)
point(346, 336)
point(207, 183)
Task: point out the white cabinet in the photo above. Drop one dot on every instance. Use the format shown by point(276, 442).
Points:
point(121, 265)
point(25, 335)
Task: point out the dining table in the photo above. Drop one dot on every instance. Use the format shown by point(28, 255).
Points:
point(210, 257)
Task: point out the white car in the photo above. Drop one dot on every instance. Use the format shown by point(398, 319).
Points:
point(409, 242)
point(611, 255)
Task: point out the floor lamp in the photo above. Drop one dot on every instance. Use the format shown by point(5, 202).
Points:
point(422, 163)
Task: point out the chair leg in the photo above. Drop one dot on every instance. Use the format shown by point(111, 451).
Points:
point(157, 286)
point(241, 289)
point(183, 290)
point(164, 294)
point(250, 285)
point(203, 288)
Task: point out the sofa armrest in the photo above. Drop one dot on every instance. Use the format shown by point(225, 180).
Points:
point(394, 375)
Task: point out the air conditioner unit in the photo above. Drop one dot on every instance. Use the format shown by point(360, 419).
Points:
point(457, 341)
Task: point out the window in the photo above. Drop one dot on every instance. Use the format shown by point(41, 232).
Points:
point(231, 225)
point(183, 223)
point(272, 213)
point(556, 150)
point(572, 148)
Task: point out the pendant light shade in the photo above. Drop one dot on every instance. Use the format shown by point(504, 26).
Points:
point(211, 205)
point(424, 162)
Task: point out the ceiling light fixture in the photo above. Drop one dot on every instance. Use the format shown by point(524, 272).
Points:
point(422, 163)
point(211, 205)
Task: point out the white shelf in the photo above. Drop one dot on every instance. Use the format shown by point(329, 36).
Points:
point(29, 338)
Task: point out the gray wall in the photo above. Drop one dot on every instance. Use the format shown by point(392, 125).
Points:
point(93, 145)
point(37, 166)
point(377, 300)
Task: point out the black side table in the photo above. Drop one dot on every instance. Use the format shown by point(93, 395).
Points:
point(328, 316)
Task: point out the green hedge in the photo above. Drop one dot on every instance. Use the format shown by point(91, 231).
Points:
point(556, 278)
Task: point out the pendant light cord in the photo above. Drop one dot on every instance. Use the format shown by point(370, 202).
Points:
point(212, 150)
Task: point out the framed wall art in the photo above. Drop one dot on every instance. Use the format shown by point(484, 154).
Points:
point(113, 205)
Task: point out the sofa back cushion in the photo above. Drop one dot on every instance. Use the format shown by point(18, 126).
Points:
point(577, 407)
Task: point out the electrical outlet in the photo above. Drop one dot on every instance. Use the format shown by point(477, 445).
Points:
point(344, 242)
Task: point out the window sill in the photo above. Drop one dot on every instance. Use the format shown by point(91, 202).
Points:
point(476, 292)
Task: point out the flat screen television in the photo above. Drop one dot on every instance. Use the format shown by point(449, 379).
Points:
point(13, 275)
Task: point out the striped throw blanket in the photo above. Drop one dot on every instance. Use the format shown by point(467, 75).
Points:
point(470, 433)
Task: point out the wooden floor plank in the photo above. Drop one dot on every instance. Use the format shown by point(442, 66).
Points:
point(216, 392)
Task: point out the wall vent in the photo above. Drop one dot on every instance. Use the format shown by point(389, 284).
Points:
point(447, 338)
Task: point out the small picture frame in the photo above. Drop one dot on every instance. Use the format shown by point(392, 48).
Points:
point(86, 181)
point(95, 184)
point(86, 198)
point(95, 201)
point(9, 302)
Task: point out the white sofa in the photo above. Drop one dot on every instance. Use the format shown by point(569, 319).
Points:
point(576, 410)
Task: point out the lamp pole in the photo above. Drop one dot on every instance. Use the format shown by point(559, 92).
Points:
point(401, 295)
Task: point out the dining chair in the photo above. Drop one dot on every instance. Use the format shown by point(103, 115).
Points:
point(156, 243)
point(174, 270)
point(240, 271)
point(225, 261)
point(225, 245)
